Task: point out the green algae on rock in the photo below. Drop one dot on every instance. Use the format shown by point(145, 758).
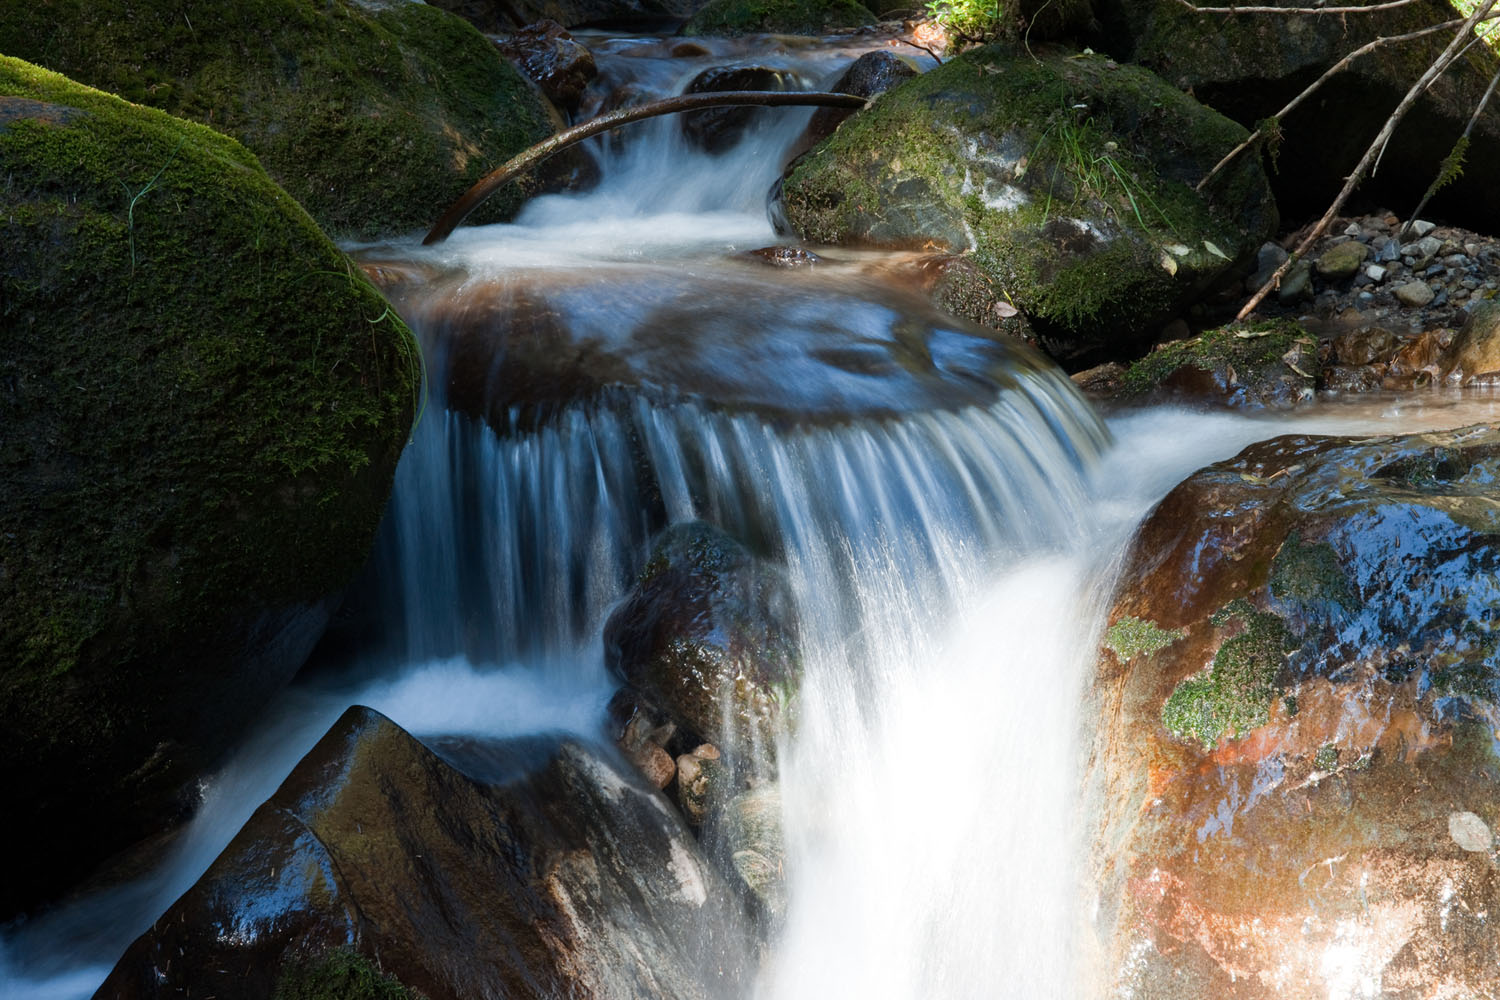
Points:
point(1069, 178)
point(782, 17)
point(201, 407)
point(373, 115)
point(1271, 364)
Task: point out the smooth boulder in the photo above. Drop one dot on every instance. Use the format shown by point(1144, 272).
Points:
point(1296, 773)
point(778, 17)
point(523, 870)
point(374, 115)
point(1068, 178)
point(709, 637)
point(202, 402)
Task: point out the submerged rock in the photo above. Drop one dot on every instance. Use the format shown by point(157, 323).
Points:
point(1301, 692)
point(500, 871)
point(202, 403)
point(1068, 178)
point(374, 115)
point(709, 636)
point(780, 17)
point(717, 130)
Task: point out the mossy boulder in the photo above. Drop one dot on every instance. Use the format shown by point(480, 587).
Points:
point(530, 869)
point(500, 16)
point(779, 17)
point(1249, 66)
point(709, 637)
point(375, 116)
point(1266, 365)
point(1300, 691)
point(1069, 179)
point(201, 407)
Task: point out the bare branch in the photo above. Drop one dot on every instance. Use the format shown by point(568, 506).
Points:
point(497, 178)
point(1391, 5)
point(1332, 71)
point(1439, 65)
point(917, 45)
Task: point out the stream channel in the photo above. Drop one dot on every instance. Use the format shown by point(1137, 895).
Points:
point(949, 509)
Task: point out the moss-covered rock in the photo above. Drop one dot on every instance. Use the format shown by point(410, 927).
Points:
point(1249, 66)
point(781, 17)
point(201, 407)
point(1309, 767)
point(375, 116)
point(1068, 177)
point(1267, 365)
point(500, 16)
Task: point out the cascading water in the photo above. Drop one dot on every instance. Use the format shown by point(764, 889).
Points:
point(949, 560)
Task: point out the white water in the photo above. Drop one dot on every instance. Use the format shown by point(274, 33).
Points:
point(950, 568)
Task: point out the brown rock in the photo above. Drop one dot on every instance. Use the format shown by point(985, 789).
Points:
point(1476, 348)
point(551, 58)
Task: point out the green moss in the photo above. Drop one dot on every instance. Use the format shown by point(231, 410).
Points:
point(1131, 637)
point(1327, 758)
point(1066, 175)
point(201, 407)
point(1310, 575)
point(375, 120)
point(1254, 350)
point(1234, 695)
point(339, 975)
point(785, 17)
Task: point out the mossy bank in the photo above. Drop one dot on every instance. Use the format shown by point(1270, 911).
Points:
point(1069, 178)
point(375, 117)
point(201, 407)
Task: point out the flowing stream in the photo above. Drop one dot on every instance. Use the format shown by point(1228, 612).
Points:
point(950, 541)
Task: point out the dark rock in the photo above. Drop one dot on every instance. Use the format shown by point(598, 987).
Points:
point(872, 73)
point(959, 286)
point(718, 129)
point(1295, 765)
point(779, 17)
point(500, 16)
point(1036, 163)
point(515, 871)
point(785, 256)
point(373, 116)
point(198, 428)
point(553, 60)
point(709, 637)
point(1249, 66)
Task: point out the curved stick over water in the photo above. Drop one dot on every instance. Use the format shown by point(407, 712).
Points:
point(492, 181)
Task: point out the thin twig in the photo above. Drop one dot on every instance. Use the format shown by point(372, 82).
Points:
point(1438, 66)
point(1463, 139)
point(495, 179)
point(1298, 10)
point(918, 45)
point(1333, 70)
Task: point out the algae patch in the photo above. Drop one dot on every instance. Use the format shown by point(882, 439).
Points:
point(1235, 694)
point(1131, 637)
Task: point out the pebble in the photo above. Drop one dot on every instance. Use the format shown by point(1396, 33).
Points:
point(1422, 227)
point(1375, 272)
point(1414, 294)
point(1470, 832)
point(1391, 251)
point(1429, 246)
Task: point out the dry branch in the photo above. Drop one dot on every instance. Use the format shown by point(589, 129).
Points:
point(1436, 69)
point(1391, 5)
point(1458, 148)
point(495, 179)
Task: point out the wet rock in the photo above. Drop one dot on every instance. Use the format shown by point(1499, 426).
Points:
point(1249, 67)
point(960, 287)
point(1341, 261)
point(872, 73)
point(1268, 258)
point(718, 129)
point(1421, 356)
point(785, 256)
point(991, 150)
point(709, 637)
point(1362, 346)
point(1296, 284)
point(1267, 365)
point(179, 509)
point(1281, 765)
point(643, 741)
point(752, 836)
point(552, 59)
point(701, 783)
point(1476, 348)
point(779, 17)
point(372, 115)
point(528, 870)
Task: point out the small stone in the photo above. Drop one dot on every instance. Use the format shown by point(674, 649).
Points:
point(1422, 227)
point(1375, 272)
point(1459, 294)
point(1470, 832)
point(1267, 259)
point(1414, 294)
point(1429, 246)
point(1353, 229)
point(1440, 297)
point(700, 775)
point(1472, 249)
point(1455, 260)
point(1342, 261)
point(1297, 283)
point(1365, 298)
point(1390, 252)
